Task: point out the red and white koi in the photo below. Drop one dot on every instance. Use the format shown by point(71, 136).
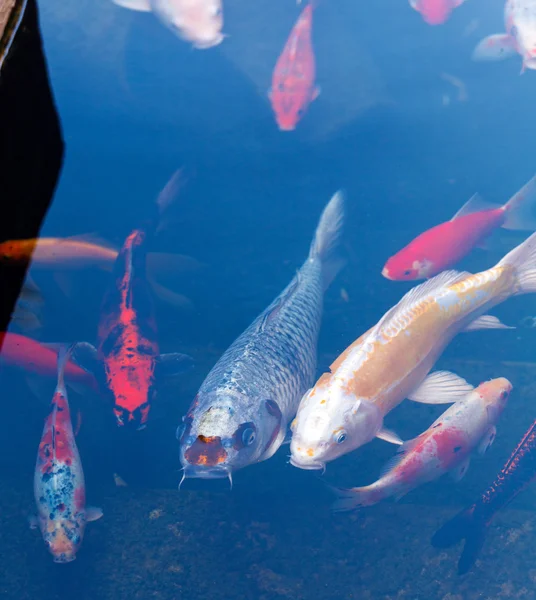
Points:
point(59, 487)
point(446, 446)
point(520, 36)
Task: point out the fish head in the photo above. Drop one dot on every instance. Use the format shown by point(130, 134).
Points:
point(434, 12)
point(197, 21)
point(495, 394)
point(63, 538)
point(329, 424)
point(289, 107)
point(226, 431)
point(403, 267)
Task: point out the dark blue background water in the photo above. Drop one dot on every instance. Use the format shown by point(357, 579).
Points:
point(136, 103)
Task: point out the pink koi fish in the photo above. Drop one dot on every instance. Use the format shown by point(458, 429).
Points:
point(435, 12)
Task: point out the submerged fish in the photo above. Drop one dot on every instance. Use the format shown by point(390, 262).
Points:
point(472, 523)
point(445, 446)
point(39, 359)
point(196, 21)
point(293, 80)
point(393, 359)
point(435, 12)
point(241, 412)
point(127, 360)
point(59, 487)
point(444, 245)
point(520, 36)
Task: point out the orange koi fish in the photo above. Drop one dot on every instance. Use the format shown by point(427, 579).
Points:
point(127, 356)
point(59, 487)
point(293, 79)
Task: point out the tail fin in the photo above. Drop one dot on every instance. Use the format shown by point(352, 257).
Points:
point(64, 355)
point(327, 239)
point(519, 210)
point(354, 498)
point(523, 260)
point(464, 526)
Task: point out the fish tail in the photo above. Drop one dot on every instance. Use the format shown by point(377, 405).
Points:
point(468, 526)
point(64, 355)
point(325, 245)
point(519, 210)
point(523, 260)
point(354, 498)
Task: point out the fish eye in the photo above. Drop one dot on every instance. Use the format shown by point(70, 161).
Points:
point(341, 437)
point(300, 112)
point(248, 436)
point(407, 272)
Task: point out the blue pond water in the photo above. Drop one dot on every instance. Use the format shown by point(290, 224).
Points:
point(391, 129)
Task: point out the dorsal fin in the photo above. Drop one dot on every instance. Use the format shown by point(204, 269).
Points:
point(422, 291)
point(475, 204)
point(272, 312)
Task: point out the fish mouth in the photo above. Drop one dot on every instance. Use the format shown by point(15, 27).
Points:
point(202, 472)
point(64, 558)
point(530, 62)
point(385, 273)
point(309, 465)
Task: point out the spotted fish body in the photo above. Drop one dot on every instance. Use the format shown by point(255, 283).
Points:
point(392, 360)
point(241, 412)
point(446, 446)
point(127, 334)
point(59, 487)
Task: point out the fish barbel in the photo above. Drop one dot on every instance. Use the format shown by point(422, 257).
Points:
point(241, 412)
point(392, 361)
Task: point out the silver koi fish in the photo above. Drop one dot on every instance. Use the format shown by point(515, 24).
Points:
point(241, 412)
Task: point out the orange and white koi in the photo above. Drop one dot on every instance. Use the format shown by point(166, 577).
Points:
point(520, 36)
point(59, 486)
point(446, 446)
point(392, 361)
point(435, 12)
point(293, 79)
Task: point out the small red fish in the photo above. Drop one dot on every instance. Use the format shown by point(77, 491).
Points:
point(444, 245)
point(435, 12)
point(36, 358)
point(293, 79)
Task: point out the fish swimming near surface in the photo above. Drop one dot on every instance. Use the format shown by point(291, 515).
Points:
point(520, 36)
point(59, 487)
point(444, 245)
point(446, 446)
point(293, 79)
point(472, 523)
point(435, 12)
point(196, 21)
point(240, 414)
point(392, 361)
point(127, 361)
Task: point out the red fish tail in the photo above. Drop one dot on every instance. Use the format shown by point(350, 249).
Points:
point(467, 525)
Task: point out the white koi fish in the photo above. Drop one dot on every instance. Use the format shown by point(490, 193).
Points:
point(447, 445)
point(520, 36)
point(196, 21)
point(392, 361)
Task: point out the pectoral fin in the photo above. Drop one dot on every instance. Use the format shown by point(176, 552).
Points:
point(487, 440)
point(441, 387)
point(172, 364)
point(486, 322)
point(458, 473)
point(93, 513)
point(139, 5)
point(389, 436)
point(85, 356)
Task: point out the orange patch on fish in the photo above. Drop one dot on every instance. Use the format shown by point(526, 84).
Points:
point(206, 451)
